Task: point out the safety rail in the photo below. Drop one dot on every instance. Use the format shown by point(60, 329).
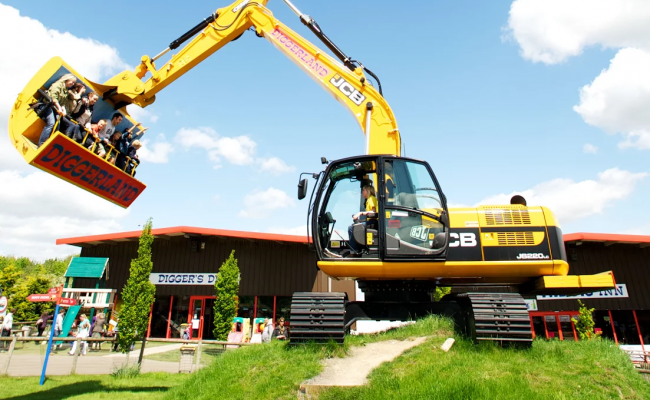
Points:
point(198, 342)
point(91, 298)
point(129, 161)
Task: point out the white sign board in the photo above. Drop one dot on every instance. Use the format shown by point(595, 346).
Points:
point(618, 293)
point(182, 279)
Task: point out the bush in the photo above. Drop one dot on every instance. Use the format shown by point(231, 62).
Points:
point(585, 325)
point(226, 288)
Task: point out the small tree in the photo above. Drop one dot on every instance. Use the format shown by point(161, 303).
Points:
point(226, 288)
point(138, 294)
point(585, 324)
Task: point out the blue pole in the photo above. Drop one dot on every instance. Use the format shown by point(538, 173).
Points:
point(49, 343)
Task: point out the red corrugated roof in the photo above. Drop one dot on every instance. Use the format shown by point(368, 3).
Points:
point(179, 231)
point(606, 237)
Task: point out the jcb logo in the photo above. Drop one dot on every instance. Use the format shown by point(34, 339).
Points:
point(462, 240)
point(347, 89)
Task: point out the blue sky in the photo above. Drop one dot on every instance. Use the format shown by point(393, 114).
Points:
point(490, 119)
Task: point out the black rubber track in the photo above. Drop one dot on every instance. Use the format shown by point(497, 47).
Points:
point(317, 317)
point(501, 317)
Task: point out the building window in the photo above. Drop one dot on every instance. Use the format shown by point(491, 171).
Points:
point(159, 317)
point(625, 326)
point(602, 322)
point(246, 306)
point(180, 310)
point(282, 307)
point(264, 307)
point(644, 324)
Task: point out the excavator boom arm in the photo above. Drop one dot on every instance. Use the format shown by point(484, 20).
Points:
point(350, 88)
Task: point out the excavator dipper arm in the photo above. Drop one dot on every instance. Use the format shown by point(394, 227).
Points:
point(346, 82)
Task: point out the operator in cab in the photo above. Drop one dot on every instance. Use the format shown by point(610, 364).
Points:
point(372, 207)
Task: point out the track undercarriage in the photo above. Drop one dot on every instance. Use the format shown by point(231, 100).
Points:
point(321, 317)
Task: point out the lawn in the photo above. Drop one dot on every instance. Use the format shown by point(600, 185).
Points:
point(145, 386)
point(550, 370)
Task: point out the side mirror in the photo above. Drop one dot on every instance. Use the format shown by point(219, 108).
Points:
point(302, 188)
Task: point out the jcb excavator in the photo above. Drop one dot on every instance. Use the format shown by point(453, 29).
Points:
point(412, 243)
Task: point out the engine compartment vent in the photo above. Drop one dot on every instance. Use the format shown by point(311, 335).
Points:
point(515, 238)
point(507, 217)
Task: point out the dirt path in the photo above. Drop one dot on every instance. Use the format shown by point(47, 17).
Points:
point(354, 369)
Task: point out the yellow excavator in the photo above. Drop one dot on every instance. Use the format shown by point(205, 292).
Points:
point(410, 243)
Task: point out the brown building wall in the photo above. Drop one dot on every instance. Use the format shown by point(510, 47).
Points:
point(268, 268)
point(631, 266)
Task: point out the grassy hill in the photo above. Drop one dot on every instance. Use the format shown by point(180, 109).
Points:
point(550, 370)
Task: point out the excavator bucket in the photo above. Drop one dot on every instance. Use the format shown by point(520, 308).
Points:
point(64, 157)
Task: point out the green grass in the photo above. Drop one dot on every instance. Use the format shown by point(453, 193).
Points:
point(275, 370)
point(79, 387)
point(550, 370)
point(269, 371)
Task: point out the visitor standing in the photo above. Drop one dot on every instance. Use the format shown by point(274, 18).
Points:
point(7, 324)
point(41, 324)
point(98, 331)
point(83, 332)
point(268, 330)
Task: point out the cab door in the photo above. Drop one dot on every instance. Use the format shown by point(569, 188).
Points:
point(414, 211)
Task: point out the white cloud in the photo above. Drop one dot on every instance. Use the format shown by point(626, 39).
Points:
point(551, 31)
point(239, 150)
point(141, 114)
point(589, 148)
point(260, 204)
point(39, 208)
point(571, 200)
point(298, 230)
point(32, 45)
point(274, 166)
point(618, 100)
point(156, 152)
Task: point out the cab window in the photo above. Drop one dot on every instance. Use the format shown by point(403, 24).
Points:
point(342, 199)
point(413, 212)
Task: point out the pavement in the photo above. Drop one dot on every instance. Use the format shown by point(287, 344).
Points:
point(32, 364)
point(354, 369)
point(149, 351)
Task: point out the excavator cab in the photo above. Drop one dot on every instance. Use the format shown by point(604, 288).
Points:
point(66, 157)
point(411, 221)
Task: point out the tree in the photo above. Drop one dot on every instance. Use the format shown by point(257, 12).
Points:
point(585, 324)
point(138, 294)
point(226, 288)
point(27, 310)
point(9, 278)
